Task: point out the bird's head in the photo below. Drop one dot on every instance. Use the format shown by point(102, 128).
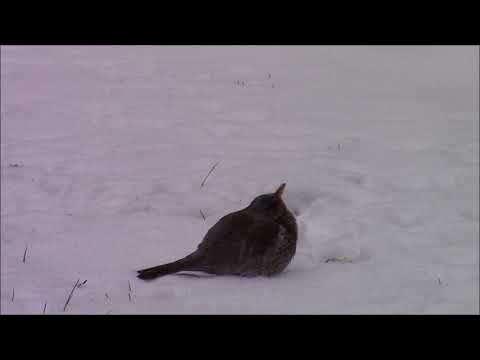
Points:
point(270, 205)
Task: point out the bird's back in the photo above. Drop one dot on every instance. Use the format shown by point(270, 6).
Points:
point(238, 244)
point(243, 244)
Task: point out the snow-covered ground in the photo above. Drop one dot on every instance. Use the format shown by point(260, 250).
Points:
point(103, 150)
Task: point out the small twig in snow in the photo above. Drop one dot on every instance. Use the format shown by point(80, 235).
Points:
point(439, 281)
point(70, 296)
point(13, 294)
point(203, 216)
point(44, 308)
point(81, 284)
point(129, 291)
point(206, 177)
point(106, 295)
point(25, 254)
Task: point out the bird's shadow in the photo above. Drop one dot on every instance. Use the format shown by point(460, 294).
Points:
point(195, 274)
point(200, 275)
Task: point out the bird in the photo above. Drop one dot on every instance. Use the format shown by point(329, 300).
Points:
point(259, 240)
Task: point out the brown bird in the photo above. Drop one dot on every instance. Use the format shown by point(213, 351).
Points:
point(259, 240)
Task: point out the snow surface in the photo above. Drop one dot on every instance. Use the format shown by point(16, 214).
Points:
point(103, 150)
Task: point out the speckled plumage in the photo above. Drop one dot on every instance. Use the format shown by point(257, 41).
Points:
point(259, 240)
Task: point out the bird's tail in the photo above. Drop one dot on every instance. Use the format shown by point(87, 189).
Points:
point(189, 262)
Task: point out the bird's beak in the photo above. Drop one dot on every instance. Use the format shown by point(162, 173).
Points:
point(280, 190)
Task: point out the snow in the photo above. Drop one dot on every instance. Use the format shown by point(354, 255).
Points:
point(104, 148)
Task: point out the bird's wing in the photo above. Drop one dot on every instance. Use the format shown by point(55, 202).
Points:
point(236, 237)
point(223, 231)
